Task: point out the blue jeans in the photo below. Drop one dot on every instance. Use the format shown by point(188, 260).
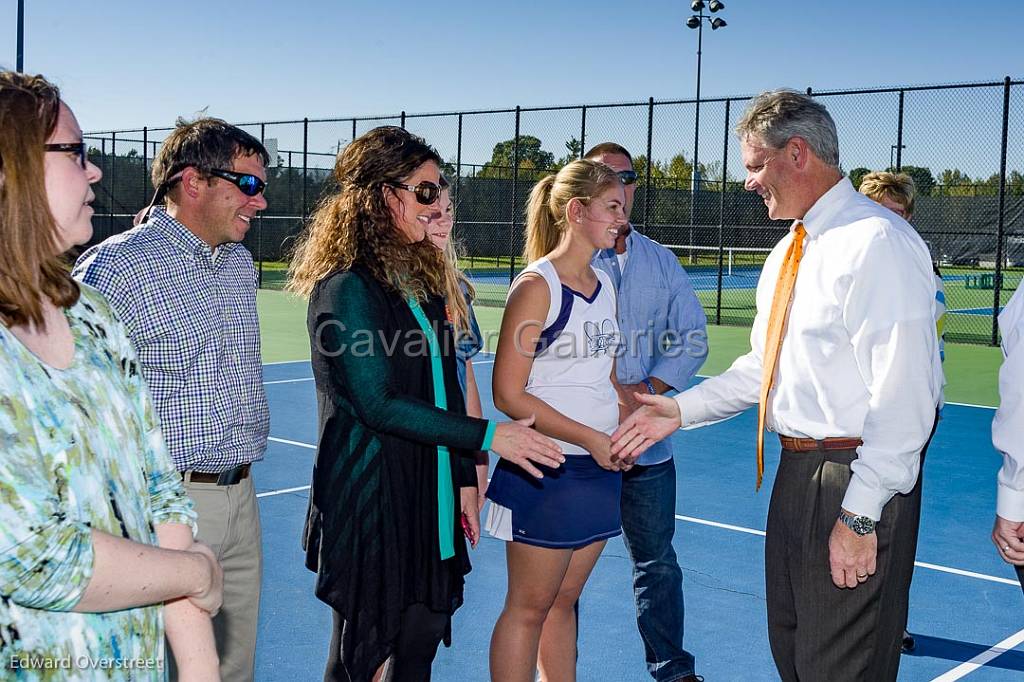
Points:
point(648, 523)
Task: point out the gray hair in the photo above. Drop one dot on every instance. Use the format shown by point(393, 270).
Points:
point(776, 116)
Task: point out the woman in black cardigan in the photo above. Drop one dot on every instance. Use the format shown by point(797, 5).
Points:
point(394, 487)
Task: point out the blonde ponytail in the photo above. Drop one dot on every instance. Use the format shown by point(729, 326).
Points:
point(543, 228)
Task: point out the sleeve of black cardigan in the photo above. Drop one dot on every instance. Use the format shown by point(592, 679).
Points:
point(347, 320)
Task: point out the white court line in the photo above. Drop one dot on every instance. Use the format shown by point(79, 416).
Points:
point(968, 574)
point(293, 442)
point(981, 407)
point(491, 361)
point(716, 524)
point(981, 659)
point(286, 381)
point(754, 531)
point(282, 491)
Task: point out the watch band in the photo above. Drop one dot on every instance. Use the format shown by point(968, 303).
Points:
point(650, 387)
point(861, 525)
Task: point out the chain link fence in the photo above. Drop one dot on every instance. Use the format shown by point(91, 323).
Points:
point(963, 144)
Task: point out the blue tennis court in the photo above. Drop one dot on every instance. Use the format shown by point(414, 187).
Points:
point(987, 312)
point(702, 278)
point(967, 610)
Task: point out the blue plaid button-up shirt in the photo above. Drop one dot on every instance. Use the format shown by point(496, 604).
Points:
point(191, 314)
point(663, 326)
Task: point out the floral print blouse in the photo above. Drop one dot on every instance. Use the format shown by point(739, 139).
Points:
point(80, 449)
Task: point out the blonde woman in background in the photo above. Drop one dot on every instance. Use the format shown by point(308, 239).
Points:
point(459, 294)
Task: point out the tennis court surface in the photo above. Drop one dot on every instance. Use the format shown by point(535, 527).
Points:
point(966, 605)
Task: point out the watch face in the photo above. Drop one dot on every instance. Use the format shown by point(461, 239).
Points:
point(861, 525)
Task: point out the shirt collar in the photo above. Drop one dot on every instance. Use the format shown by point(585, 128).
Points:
point(822, 214)
point(184, 239)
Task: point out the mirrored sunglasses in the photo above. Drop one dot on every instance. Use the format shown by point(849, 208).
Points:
point(628, 177)
point(250, 185)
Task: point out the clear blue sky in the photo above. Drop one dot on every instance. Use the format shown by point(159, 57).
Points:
point(125, 64)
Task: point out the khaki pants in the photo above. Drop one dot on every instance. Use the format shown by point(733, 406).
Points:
point(229, 522)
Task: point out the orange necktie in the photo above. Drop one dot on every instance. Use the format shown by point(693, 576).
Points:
point(776, 327)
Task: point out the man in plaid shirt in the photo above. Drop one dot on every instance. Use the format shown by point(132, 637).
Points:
point(186, 290)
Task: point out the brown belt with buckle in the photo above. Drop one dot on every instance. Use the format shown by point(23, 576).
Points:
point(812, 445)
point(229, 477)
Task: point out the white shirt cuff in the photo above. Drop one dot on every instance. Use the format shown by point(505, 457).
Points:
point(1010, 504)
point(864, 500)
point(692, 407)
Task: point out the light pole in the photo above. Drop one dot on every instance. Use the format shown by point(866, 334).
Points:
point(20, 62)
point(697, 21)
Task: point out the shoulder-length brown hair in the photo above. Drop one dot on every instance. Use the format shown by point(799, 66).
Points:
point(30, 267)
point(354, 225)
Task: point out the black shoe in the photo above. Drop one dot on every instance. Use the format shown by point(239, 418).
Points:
point(908, 642)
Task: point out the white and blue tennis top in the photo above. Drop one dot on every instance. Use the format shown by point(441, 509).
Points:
point(575, 353)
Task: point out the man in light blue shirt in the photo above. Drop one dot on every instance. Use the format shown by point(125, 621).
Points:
point(665, 342)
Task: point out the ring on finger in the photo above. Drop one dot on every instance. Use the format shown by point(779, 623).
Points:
point(1006, 548)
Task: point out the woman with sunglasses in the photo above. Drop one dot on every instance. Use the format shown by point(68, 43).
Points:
point(394, 469)
point(555, 360)
point(459, 294)
point(88, 495)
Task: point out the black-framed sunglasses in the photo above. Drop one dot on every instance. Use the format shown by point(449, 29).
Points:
point(249, 184)
point(69, 147)
point(628, 177)
point(426, 192)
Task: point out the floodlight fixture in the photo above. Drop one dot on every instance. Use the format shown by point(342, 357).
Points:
point(693, 22)
point(697, 5)
point(716, 6)
point(718, 23)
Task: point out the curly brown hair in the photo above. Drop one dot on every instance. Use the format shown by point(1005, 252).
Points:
point(30, 267)
point(354, 225)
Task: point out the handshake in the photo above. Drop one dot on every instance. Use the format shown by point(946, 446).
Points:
point(644, 419)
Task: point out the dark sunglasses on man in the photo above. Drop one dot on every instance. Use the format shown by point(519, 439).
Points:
point(628, 177)
point(250, 185)
point(426, 192)
point(247, 184)
point(70, 148)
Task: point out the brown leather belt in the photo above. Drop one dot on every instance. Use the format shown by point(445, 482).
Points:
point(229, 477)
point(811, 445)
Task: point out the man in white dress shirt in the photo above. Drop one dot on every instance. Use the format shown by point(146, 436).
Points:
point(1008, 437)
point(851, 392)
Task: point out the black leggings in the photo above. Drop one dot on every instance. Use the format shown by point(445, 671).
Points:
point(419, 633)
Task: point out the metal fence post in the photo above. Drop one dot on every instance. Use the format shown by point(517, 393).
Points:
point(1002, 210)
point(305, 154)
point(113, 181)
point(721, 215)
point(259, 223)
point(145, 162)
point(458, 167)
point(515, 196)
point(403, 120)
point(899, 137)
point(353, 129)
point(647, 179)
point(583, 132)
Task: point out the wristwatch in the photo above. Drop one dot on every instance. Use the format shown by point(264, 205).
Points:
point(650, 386)
point(861, 525)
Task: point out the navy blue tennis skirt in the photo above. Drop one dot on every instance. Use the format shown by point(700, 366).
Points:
point(571, 507)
